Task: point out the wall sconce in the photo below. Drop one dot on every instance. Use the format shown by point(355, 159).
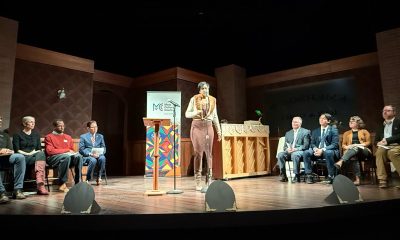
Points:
point(61, 94)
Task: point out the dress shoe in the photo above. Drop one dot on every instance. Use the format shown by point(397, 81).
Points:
point(296, 178)
point(328, 180)
point(18, 194)
point(98, 181)
point(309, 179)
point(283, 178)
point(357, 182)
point(4, 198)
point(383, 184)
point(63, 188)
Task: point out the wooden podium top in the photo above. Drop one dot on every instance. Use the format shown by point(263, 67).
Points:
point(243, 130)
point(150, 122)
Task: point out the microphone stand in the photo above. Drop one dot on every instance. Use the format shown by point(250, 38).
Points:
point(174, 191)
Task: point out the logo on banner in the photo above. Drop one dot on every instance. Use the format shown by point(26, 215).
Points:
point(158, 107)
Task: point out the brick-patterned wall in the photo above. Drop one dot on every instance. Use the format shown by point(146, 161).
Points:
point(8, 43)
point(388, 44)
point(35, 93)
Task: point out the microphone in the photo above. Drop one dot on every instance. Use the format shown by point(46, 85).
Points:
point(173, 103)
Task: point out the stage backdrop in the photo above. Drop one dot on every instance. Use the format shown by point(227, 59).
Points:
point(335, 96)
point(159, 106)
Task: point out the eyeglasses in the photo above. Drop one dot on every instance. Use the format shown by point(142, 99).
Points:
point(387, 110)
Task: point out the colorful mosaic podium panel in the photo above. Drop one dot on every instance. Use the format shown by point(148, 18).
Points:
point(166, 151)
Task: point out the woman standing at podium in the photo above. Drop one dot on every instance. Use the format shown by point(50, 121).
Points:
point(202, 109)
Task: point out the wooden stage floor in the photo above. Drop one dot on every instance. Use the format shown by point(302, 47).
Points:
point(125, 195)
point(262, 202)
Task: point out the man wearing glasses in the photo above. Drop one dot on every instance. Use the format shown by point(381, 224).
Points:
point(388, 139)
point(92, 147)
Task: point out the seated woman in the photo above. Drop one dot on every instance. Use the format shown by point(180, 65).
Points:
point(356, 142)
point(27, 143)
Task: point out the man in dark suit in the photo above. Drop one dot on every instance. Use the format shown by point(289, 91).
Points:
point(88, 143)
point(324, 145)
point(296, 141)
point(388, 139)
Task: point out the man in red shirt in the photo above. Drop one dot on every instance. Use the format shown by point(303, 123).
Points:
point(61, 154)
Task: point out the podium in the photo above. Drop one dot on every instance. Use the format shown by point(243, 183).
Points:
point(243, 152)
point(156, 123)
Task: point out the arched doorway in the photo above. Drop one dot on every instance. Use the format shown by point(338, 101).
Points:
point(108, 111)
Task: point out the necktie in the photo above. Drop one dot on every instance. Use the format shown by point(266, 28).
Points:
point(294, 138)
point(93, 139)
point(321, 144)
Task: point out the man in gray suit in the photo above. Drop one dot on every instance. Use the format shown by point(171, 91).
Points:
point(296, 141)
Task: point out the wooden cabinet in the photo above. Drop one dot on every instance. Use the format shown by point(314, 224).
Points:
point(244, 151)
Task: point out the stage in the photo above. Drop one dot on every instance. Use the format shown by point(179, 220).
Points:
point(261, 202)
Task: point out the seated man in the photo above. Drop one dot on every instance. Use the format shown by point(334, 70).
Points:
point(17, 162)
point(87, 144)
point(388, 144)
point(296, 141)
point(61, 154)
point(324, 145)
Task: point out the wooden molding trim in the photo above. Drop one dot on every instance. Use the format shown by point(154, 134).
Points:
point(172, 74)
point(355, 62)
point(153, 78)
point(40, 55)
point(196, 77)
point(111, 78)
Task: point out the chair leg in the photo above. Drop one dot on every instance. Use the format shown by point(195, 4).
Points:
point(290, 170)
point(105, 176)
point(47, 179)
point(374, 179)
